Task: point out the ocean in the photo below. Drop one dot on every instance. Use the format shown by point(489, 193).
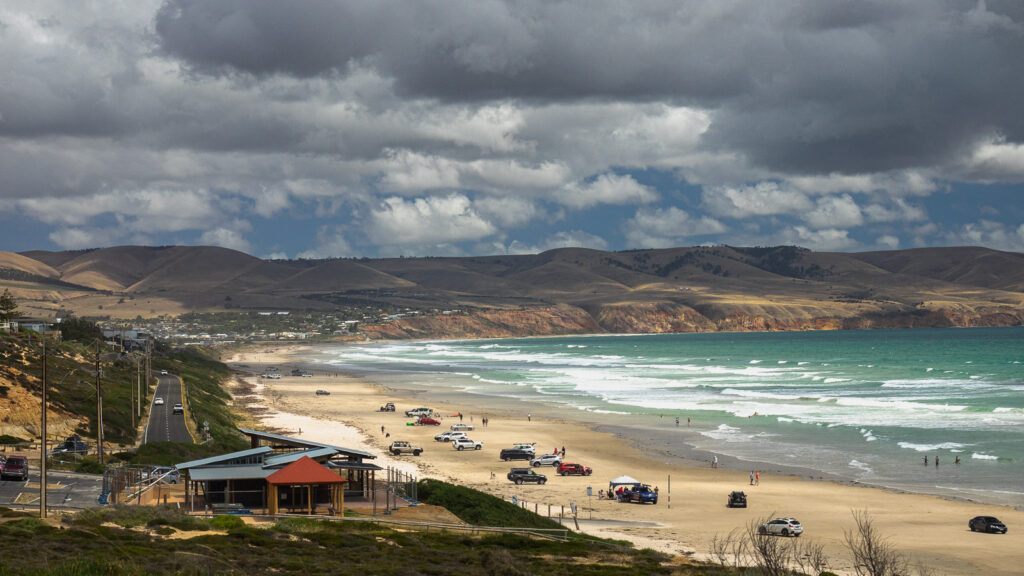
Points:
point(862, 406)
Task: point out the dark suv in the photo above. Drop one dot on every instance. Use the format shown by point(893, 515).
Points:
point(515, 454)
point(521, 475)
point(986, 524)
point(16, 467)
point(737, 499)
point(71, 445)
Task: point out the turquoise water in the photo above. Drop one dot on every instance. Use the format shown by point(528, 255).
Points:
point(865, 406)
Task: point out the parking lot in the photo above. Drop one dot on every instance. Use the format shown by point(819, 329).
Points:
point(64, 490)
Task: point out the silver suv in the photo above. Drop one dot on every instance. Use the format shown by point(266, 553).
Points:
point(782, 526)
point(546, 460)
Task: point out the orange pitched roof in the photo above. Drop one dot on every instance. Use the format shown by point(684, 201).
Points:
point(305, 470)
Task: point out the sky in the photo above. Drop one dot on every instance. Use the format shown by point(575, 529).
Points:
point(315, 129)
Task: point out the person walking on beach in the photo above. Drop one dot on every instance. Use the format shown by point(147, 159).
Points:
point(460, 416)
point(677, 421)
point(936, 460)
point(751, 477)
point(381, 429)
point(529, 417)
point(563, 451)
point(957, 461)
point(925, 459)
point(757, 478)
point(687, 421)
point(714, 462)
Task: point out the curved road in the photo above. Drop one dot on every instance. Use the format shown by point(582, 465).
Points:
point(164, 424)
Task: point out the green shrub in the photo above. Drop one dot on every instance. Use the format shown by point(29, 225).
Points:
point(89, 466)
point(475, 507)
point(226, 522)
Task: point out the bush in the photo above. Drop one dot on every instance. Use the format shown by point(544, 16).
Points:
point(89, 467)
point(226, 522)
point(475, 507)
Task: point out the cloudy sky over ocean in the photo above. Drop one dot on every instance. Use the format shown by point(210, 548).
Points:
point(337, 128)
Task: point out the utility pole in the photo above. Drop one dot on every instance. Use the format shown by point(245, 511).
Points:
point(42, 450)
point(99, 408)
point(138, 385)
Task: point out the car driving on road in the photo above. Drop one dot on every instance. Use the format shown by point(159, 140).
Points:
point(782, 527)
point(178, 409)
point(158, 401)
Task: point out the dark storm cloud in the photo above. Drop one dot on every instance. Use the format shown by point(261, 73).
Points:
point(804, 86)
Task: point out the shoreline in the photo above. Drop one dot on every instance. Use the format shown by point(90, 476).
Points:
point(937, 523)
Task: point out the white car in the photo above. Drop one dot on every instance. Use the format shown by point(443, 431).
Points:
point(163, 372)
point(449, 436)
point(466, 444)
point(158, 401)
point(546, 460)
point(782, 526)
point(528, 446)
point(462, 427)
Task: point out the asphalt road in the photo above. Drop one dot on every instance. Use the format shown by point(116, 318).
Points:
point(164, 425)
point(63, 490)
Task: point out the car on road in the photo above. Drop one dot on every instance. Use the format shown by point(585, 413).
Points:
point(71, 445)
point(459, 426)
point(399, 447)
point(178, 409)
point(736, 499)
point(448, 436)
point(158, 401)
point(514, 454)
point(987, 524)
point(271, 375)
point(428, 421)
point(465, 443)
point(16, 467)
point(422, 411)
point(573, 469)
point(782, 527)
point(546, 460)
point(526, 476)
point(163, 372)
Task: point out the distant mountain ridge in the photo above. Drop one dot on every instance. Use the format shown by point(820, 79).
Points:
point(574, 289)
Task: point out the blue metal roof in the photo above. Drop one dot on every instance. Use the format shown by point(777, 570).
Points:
point(280, 459)
point(249, 472)
point(223, 459)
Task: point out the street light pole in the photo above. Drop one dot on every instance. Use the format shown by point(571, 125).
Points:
point(42, 449)
point(99, 408)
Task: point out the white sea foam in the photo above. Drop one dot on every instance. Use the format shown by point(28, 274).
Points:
point(930, 447)
point(836, 380)
point(782, 361)
point(784, 419)
point(755, 361)
point(978, 456)
point(802, 363)
point(860, 466)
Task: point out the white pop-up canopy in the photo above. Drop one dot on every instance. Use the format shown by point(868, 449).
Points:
point(622, 481)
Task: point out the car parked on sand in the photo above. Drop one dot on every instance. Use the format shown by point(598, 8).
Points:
point(427, 421)
point(573, 469)
point(322, 393)
point(459, 426)
point(528, 446)
point(389, 407)
point(16, 468)
point(514, 454)
point(465, 443)
point(639, 494)
point(399, 447)
point(158, 401)
point(448, 436)
point(419, 412)
point(546, 460)
point(782, 527)
point(736, 499)
point(986, 524)
point(526, 475)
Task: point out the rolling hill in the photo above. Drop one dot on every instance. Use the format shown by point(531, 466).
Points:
point(572, 289)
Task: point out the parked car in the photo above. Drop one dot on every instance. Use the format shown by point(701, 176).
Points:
point(987, 524)
point(515, 454)
point(419, 412)
point(526, 475)
point(399, 447)
point(389, 407)
point(736, 499)
point(782, 527)
point(322, 393)
point(272, 375)
point(546, 460)
point(528, 446)
point(573, 469)
point(178, 409)
point(459, 426)
point(639, 494)
point(165, 474)
point(71, 445)
point(448, 436)
point(16, 467)
point(158, 401)
point(465, 443)
point(428, 421)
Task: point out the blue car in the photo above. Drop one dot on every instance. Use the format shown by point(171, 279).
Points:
point(640, 494)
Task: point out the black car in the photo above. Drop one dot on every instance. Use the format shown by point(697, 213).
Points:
point(521, 475)
point(71, 445)
point(987, 524)
point(737, 500)
point(515, 454)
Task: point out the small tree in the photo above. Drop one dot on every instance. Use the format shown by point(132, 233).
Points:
point(873, 553)
point(8, 306)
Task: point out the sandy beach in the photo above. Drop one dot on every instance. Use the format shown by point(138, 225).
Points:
point(931, 531)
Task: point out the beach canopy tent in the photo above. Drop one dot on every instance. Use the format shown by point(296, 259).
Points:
point(623, 481)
